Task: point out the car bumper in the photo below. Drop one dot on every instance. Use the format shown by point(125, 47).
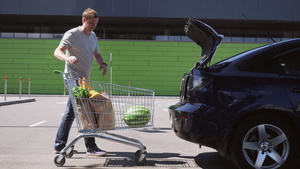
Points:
point(193, 122)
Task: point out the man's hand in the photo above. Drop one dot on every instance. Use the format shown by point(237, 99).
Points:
point(59, 54)
point(100, 61)
point(72, 59)
point(103, 66)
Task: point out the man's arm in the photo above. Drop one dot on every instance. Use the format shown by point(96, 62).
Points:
point(100, 61)
point(59, 54)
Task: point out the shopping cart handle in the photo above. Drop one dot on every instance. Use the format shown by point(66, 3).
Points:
point(57, 72)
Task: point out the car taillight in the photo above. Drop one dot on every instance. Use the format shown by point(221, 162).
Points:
point(183, 86)
point(197, 83)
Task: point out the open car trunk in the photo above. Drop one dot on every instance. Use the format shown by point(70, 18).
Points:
point(204, 36)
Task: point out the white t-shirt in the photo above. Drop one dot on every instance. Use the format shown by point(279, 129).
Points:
point(83, 47)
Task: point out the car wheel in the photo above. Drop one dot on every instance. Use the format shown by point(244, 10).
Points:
point(263, 141)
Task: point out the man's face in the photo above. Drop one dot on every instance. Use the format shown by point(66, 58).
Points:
point(90, 24)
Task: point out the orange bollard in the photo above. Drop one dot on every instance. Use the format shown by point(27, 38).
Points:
point(29, 87)
point(5, 88)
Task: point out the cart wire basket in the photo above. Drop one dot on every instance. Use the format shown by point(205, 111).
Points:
point(102, 107)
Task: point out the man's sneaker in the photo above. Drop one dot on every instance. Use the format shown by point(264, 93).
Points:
point(96, 152)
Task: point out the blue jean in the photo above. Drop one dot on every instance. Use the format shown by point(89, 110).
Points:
point(64, 129)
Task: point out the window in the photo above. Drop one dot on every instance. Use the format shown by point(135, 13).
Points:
point(296, 62)
point(286, 64)
point(289, 63)
point(47, 27)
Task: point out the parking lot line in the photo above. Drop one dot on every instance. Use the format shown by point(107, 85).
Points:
point(36, 124)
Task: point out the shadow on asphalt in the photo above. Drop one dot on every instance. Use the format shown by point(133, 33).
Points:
point(149, 155)
point(210, 160)
point(155, 130)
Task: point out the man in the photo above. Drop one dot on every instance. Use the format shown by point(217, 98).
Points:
point(81, 46)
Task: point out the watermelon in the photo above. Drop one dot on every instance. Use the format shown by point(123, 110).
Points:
point(137, 116)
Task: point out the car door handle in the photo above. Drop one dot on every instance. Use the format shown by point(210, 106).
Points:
point(296, 90)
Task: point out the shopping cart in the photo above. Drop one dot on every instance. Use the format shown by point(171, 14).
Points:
point(107, 107)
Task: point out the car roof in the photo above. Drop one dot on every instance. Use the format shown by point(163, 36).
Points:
point(272, 49)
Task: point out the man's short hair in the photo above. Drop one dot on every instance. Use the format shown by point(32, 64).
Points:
point(89, 13)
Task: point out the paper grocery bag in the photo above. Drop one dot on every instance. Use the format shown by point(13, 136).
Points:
point(86, 117)
point(102, 107)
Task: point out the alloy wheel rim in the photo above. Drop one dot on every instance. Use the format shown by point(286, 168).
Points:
point(266, 146)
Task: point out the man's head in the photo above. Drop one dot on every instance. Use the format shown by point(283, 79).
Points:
point(89, 20)
point(89, 13)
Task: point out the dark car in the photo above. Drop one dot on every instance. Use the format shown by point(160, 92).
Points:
point(247, 107)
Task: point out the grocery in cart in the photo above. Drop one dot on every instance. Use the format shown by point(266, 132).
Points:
point(101, 107)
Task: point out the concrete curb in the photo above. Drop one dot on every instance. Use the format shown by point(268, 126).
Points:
point(16, 101)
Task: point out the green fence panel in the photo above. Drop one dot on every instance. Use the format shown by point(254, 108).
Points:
point(151, 65)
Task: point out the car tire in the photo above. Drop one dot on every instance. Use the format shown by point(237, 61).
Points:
point(263, 141)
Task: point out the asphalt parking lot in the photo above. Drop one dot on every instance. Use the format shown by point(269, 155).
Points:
point(28, 131)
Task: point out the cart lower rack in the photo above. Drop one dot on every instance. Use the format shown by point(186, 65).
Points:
point(101, 107)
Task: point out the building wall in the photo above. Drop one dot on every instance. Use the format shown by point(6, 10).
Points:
point(151, 65)
point(209, 9)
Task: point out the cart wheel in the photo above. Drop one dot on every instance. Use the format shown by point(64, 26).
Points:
point(140, 158)
point(59, 163)
point(70, 154)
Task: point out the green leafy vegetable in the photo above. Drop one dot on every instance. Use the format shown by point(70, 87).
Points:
point(80, 92)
